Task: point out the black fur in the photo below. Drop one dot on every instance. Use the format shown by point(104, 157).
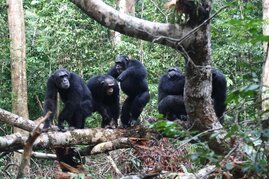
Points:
point(132, 77)
point(219, 90)
point(76, 97)
point(105, 93)
point(170, 95)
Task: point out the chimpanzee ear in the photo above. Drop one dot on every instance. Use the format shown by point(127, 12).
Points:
point(127, 58)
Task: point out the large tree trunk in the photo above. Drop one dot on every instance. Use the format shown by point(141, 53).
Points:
point(265, 74)
point(127, 7)
point(198, 88)
point(17, 55)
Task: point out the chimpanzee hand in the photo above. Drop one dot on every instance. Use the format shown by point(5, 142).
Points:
point(120, 77)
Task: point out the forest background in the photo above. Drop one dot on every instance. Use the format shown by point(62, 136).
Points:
point(59, 34)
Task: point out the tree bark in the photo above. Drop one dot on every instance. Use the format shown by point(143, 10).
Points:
point(16, 121)
point(166, 34)
point(17, 56)
point(75, 137)
point(265, 73)
point(126, 7)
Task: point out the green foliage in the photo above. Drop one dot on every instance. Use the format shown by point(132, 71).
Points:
point(5, 76)
point(167, 128)
point(58, 34)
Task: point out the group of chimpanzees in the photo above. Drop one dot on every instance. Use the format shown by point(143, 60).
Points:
point(171, 94)
point(101, 94)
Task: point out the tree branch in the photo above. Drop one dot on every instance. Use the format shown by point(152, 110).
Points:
point(132, 26)
point(75, 137)
point(24, 169)
point(16, 121)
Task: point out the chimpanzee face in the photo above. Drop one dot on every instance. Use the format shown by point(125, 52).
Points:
point(61, 78)
point(108, 85)
point(174, 72)
point(121, 63)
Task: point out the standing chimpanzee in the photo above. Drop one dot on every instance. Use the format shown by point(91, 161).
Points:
point(75, 95)
point(219, 90)
point(132, 77)
point(106, 100)
point(170, 95)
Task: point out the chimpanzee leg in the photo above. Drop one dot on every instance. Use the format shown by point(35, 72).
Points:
point(125, 112)
point(82, 113)
point(106, 118)
point(114, 110)
point(138, 105)
point(86, 108)
point(172, 107)
point(67, 114)
point(219, 107)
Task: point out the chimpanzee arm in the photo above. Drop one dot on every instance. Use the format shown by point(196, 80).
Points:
point(135, 70)
point(113, 72)
point(130, 71)
point(50, 102)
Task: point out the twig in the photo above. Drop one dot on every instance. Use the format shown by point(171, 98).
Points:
point(40, 155)
point(39, 103)
point(196, 136)
point(221, 163)
point(154, 3)
point(196, 28)
point(178, 41)
point(114, 166)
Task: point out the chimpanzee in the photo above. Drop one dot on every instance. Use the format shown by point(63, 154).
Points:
point(219, 90)
point(132, 77)
point(170, 95)
point(106, 100)
point(75, 95)
point(176, 104)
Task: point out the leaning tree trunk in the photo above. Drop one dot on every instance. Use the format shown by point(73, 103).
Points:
point(17, 56)
point(265, 74)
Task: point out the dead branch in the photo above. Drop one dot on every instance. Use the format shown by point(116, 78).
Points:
point(110, 145)
point(16, 121)
point(40, 155)
point(114, 166)
point(75, 137)
point(24, 169)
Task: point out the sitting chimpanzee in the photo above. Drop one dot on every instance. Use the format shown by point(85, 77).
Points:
point(170, 95)
point(132, 77)
point(219, 90)
point(106, 100)
point(173, 107)
point(75, 95)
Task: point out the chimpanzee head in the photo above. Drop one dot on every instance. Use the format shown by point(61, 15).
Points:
point(61, 78)
point(174, 72)
point(108, 85)
point(121, 63)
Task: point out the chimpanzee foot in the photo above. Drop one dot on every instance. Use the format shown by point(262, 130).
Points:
point(134, 122)
point(44, 130)
point(61, 129)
